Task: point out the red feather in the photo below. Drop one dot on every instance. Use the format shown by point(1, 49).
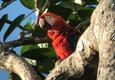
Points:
point(63, 36)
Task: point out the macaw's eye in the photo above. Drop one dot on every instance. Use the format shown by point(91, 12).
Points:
point(49, 17)
point(50, 20)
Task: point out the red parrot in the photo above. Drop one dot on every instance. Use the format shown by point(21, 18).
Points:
point(62, 35)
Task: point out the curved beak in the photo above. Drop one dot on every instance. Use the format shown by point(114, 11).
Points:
point(41, 22)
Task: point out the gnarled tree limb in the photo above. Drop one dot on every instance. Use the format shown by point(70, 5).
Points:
point(14, 63)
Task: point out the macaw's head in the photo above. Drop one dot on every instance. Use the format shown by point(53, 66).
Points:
point(51, 21)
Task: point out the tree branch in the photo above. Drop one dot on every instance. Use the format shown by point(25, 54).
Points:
point(14, 63)
point(25, 41)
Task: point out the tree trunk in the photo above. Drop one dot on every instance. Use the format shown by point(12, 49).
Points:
point(98, 39)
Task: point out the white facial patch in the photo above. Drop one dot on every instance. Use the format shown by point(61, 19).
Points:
point(49, 20)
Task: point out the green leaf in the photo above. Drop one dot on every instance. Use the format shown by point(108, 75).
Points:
point(13, 25)
point(27, 47)
point(60, 10)
point(45, 57)
point(36, 53)
point(90, 2)
point(30, 4)
point(6, 0)
point(84, 24)
point(3, 21)
point(44, 4)
point(70, 4)
point(39, 73)
point(13, 76)
point(28, 26)
point(41, 4)
point(39, 32)
point(85, 13)
point(74, 19)
point(46, 65)
point(80, 2)
point(5, 4)
point(54, 1)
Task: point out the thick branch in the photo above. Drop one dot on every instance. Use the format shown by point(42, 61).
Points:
point(14, 63)
point(104, 21)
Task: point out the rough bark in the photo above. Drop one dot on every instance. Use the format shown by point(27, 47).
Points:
point(99, 38)
point(104, 29)
point(14, 63)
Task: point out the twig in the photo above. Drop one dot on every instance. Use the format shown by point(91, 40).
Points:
point(25, 41)
point(45, 5)
point(29, 14)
